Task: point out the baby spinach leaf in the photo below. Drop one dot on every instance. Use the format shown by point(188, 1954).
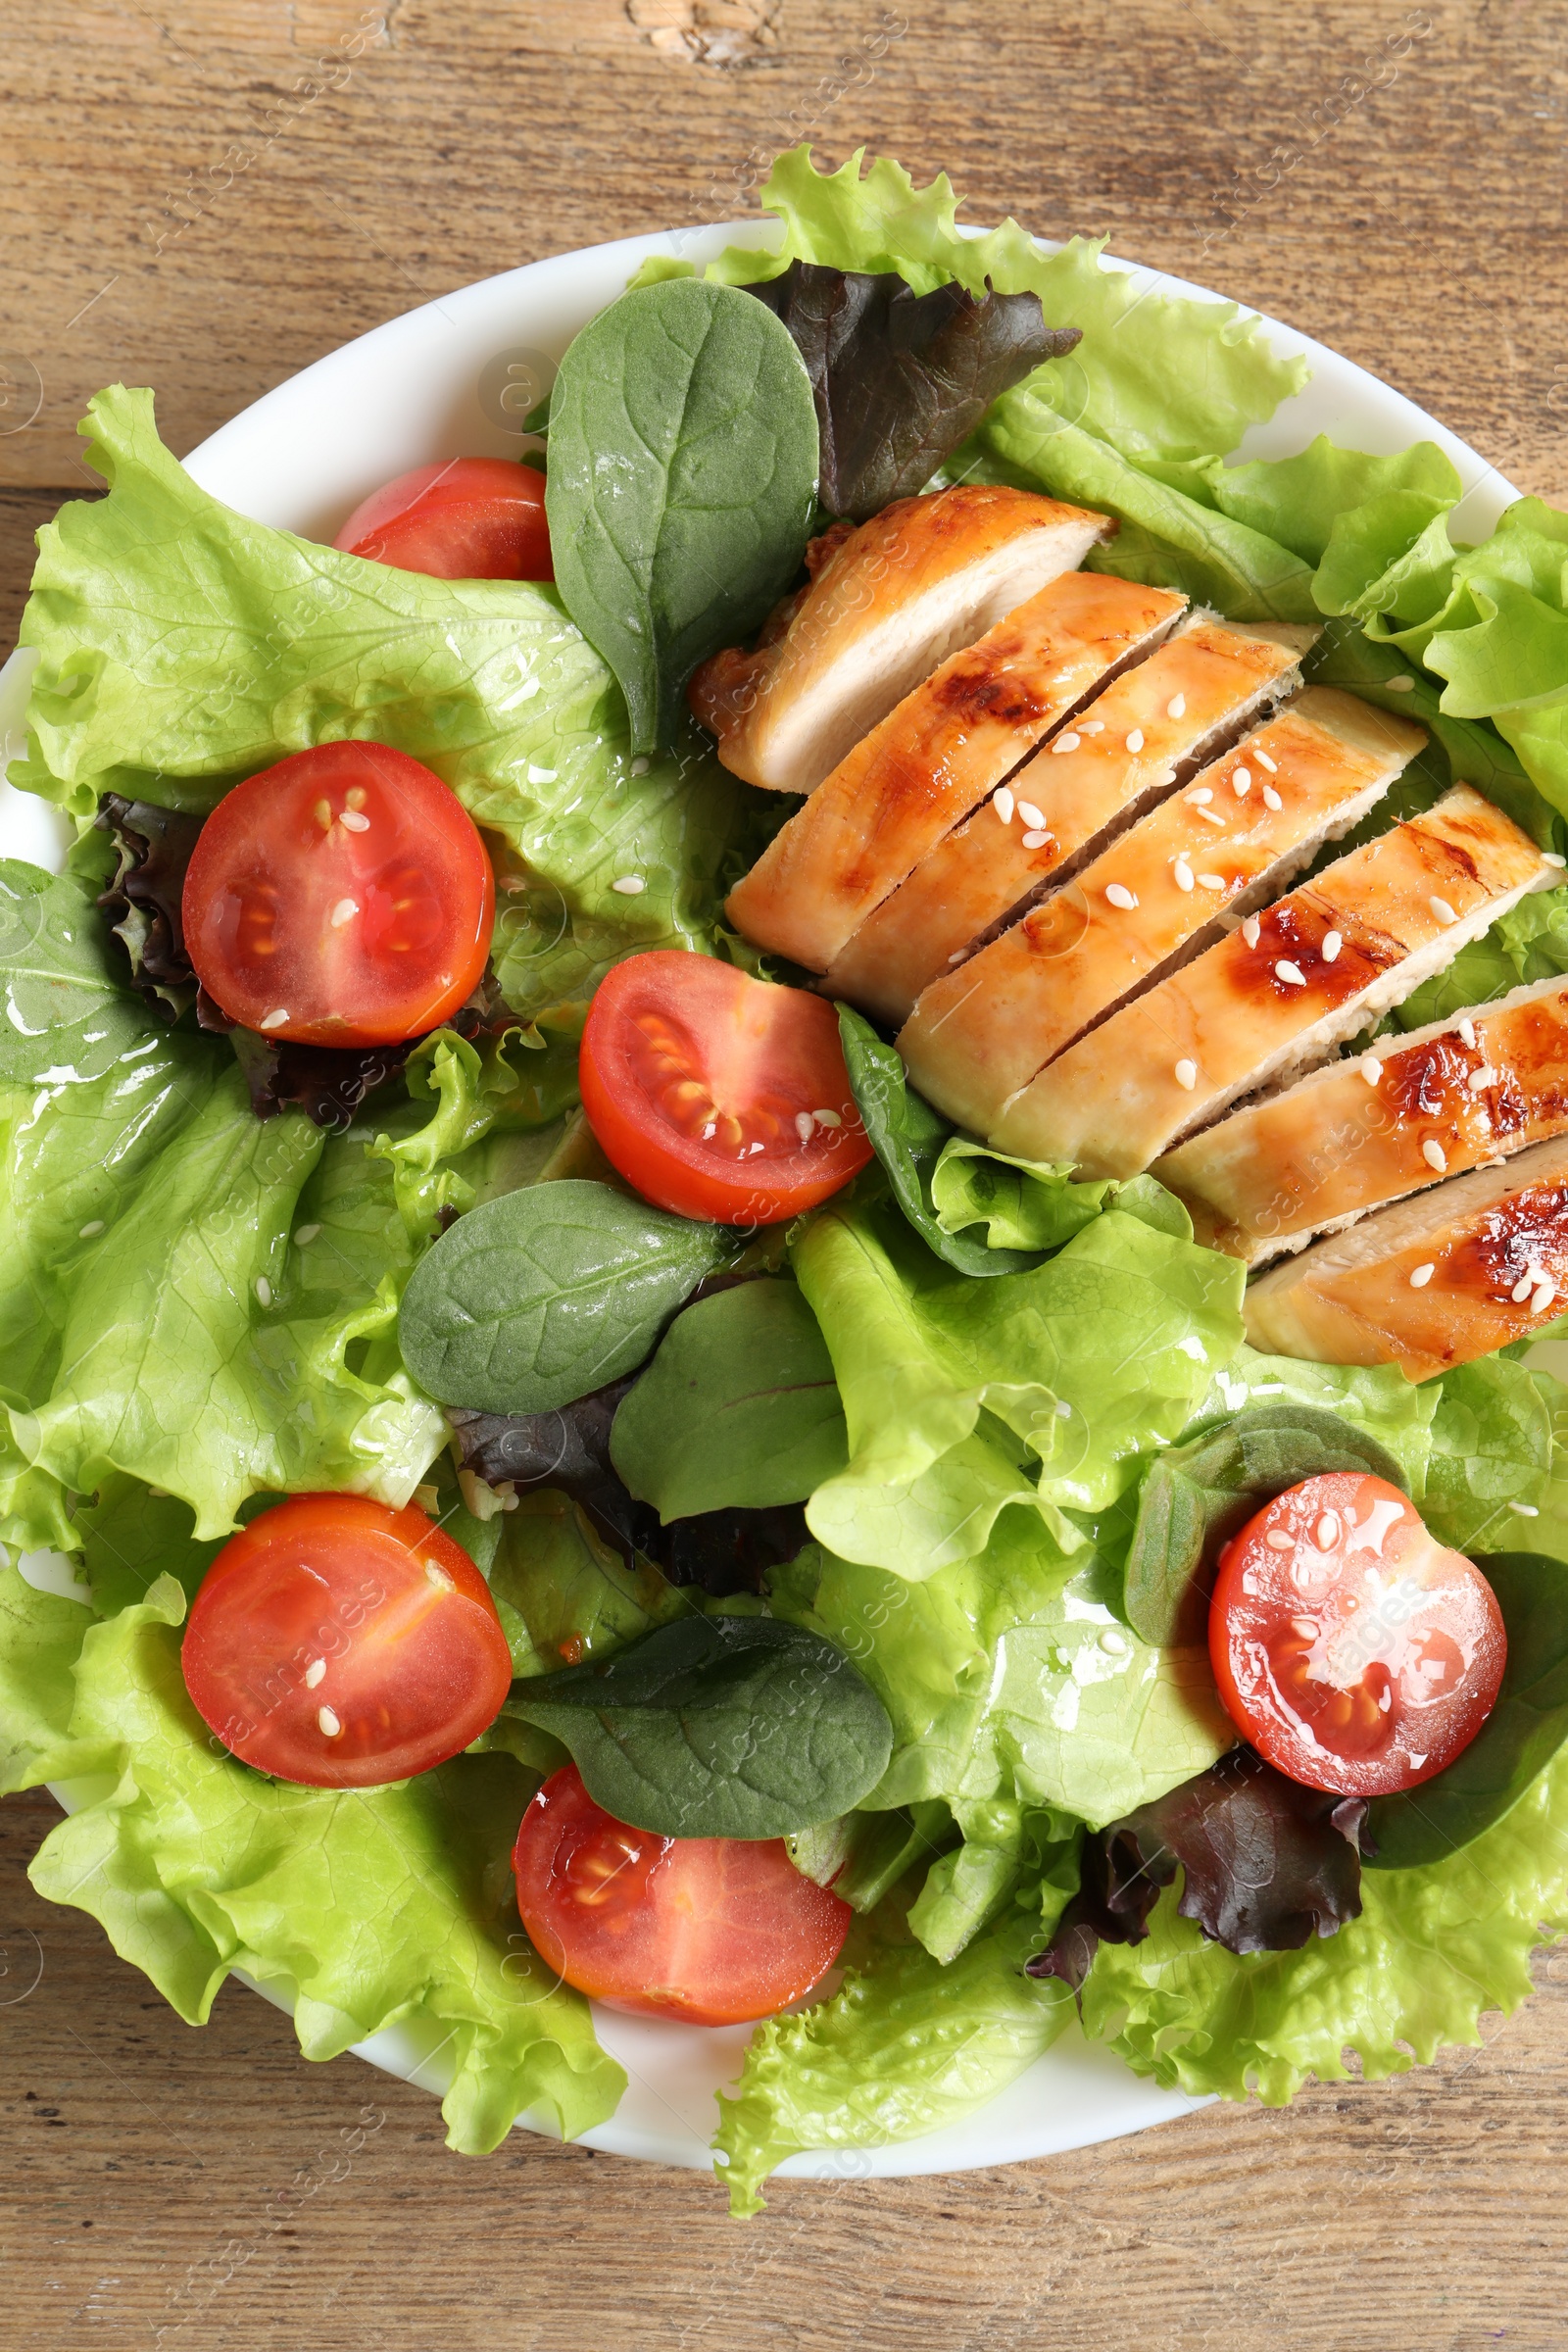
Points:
point(1526, 1728)
point(899, 379)
point(718, 1727)
point(546, 1293)
point(1195, 1496)
point(682, 482)
point(739, 1406)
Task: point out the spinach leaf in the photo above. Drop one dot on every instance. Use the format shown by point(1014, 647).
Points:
point(1195, 1498)
point(682, 483)
point(899, 379)
point(546, 1293)
point(718, 1727)
point(739, 1406)
point(68, 1005)
point(1526, 1728)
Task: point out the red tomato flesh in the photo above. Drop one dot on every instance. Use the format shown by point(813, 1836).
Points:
point(712, 1930)
point(340, 1643)
point(342, 898)
point(467, 518)
point(1354, 1650)
point(716, 1095)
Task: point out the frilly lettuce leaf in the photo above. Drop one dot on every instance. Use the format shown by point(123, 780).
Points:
point(379, 1904)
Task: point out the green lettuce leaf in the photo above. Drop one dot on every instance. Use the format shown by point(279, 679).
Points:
point(377, 1905)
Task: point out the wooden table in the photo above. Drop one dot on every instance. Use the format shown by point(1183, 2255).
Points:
point(1387, 178)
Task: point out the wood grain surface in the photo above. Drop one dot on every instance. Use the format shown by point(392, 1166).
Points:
point(191, 199)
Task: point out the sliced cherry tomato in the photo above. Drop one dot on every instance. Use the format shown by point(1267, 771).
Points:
point(716, 1095)
point(342, 898)
point(467, 518)
point(1354, 1650)
point(341, 1643)
point(712, 1930)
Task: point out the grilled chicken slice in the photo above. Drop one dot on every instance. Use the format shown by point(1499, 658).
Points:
point(1429, 1283)
point(1352, 1137)
point(885, 604)
point(1279, 993)
point(1191, 696)
point(937, 756)
point(1306, 777)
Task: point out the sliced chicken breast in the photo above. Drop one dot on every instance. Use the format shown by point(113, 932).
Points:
point(1278, 994)
point(1146, 732)
point(886, 603)
point(1159, 892)
point(1429, 1283)
point(1352, 1137)
point(935, 757)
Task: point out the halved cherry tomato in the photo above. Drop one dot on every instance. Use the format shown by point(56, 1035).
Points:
point(1354, 1650)
point(341, 1643)
point(342, 898)
point(467, 518)
point(716, 1095)
point(712, 1930)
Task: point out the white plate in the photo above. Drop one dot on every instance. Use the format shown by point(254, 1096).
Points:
point(455, 379)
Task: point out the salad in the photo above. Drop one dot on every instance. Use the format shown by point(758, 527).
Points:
point(777, 1193)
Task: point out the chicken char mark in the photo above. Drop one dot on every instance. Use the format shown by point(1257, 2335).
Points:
point(1529, 1229)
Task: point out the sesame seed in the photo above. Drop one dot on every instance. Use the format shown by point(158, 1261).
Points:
point(1551, 857)
point(1212, 881)
point(1290, 974)
point(438, 1577)
point(1176, 707)
point(1400, 685)
point(1326, 1531)
point(1113, 1645)
point(1004, 802)
point(1252, 930)
point(1332, 944)
point(1120, 896)
point(275, 1020)
point(1241, 782)
point(1443, 910)
point(827, 1119)
point(1135, 741)
point(1420, 1276)
point(355, 820)
point(1186, 1075)
point(306, 1236)
point(1183, 873)
point(1091, 726)
point(328, 1722)
point(1526, 1510)
point(1066, 742)
point(1542, 1296)
point(1536, 1270)
point(957, 956)
point(1483, 1077)
point(1522, 1290)
point(1030, 813)
point(1271, 799)
point(630, 886)
point(1263, 760)
point(1035, 841)
point(1278, 1540)
point(1371, 1068)
point(91, 1230)
point(639, 767)
point(1203, 796)
point(344, 912)
point(1468, 1030)
point(1210, 816)
point(804, 1125)
point(1435, 1156)
point(314, 1673)
point(263, 1290)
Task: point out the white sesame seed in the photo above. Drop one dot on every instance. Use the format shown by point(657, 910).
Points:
point(1263, 760)
point(263, 1290)
point(958, 956)
point(1526, 1510)
point(639, 767)
point(275, 1020)
point(1114, 1643)
point(1542, 1298)
point(1400, 685)
point(1004, 804)
point(314, 1673)
point(1434, 1154)
point(1210, 816)
point(1176, 707)
point(1332, 944)
point(1068, 741)
point(1120, 896)
point(1271, 800)
point(1186, 1074)
point(1468, 1030)
point(1278, 1540)
point(1091, 726)
point(1485, 1076)
point(827, 1119)
point(1551, 857)
point(1031, 815)
point(630, 886)
point(355, 820)
point(1212, 881)
point(328, 1722)
point(1443, 910)
point(1371, 1068)
point(306, 1236)
point(1135, 741)
point(804, 1125)
point(1536, 1270)
point(1522, 1290)
point(91, 1230)
point(438, 1577)
point(1183, 873)
point(344, 912)
point(1251, 930)
point(1420, 1276)
point(1203, 796)
point(1290, 974)
point(1035, 841)
point(1326, 1531)
point(1241, 782)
